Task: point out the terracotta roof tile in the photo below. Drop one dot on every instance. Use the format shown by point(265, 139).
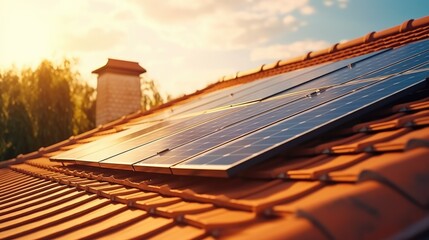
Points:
point(279, 228)
point(22, 213)
point(373, 216)
point(178, 210)
point(278, 167)
point(30, 196)
point(70, 221)
point(284, 191)
point(395, 121)
point(401, 142)
point(219, 218)
point(366, 143)
point(405, 171)
point(129, 199)
point(107, 224)
point(318, 169)
point(151, 204)
point(184, 232)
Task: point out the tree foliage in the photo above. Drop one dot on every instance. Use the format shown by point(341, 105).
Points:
point(151, 96)
point(42, 106)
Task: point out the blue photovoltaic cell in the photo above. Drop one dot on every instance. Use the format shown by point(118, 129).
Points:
point(229, 95)
point(246, 127)
point(173, 141)
point(148, 132)
point(267, 87)
point(156, 134)
point(288, 83)
point(272, 139)
point(107, 141)
point(373, 66)
point(234, 94)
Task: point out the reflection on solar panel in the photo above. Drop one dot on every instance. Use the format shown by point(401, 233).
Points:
point(229, 133)
point(274, 139)
point(287, 110)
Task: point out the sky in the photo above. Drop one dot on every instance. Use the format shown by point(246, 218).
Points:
point(186, 45)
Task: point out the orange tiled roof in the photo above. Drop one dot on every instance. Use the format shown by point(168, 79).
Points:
point(366, 180)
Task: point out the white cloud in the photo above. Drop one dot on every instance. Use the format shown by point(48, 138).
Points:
point(307, 10)
point(289, 20)
point(95, 39)
point(343, 3)
point(221, 24)
point(340, 3)
point(328, 3)
point(285, 51)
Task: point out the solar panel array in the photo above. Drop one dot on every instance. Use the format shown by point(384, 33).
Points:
point(253, 122)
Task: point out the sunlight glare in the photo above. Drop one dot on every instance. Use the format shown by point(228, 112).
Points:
point(27, 35)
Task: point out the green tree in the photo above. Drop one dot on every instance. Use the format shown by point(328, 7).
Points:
point(151, 97)
point(51, 102)
point(17, 134)
point(43, 106)
point(2, 116)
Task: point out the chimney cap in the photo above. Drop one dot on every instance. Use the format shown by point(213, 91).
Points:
point(121, 66)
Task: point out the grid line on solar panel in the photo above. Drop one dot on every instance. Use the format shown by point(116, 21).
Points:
point(243, 114)
point(220, 98)
point(369, 67)
point(233, 156)
point(124, 137)
point(226, 96)
point(283, 84)
point(117, 137)
point(152, 136)
point(224, 136)
point(264, 88)
point(406, 64)
point(307, 75)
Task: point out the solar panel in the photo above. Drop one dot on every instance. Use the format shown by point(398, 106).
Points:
point(236, 94)
point(274, 139)
point(263, 88)
point(287, 110)
point(128, 155)
point(285, 84)
point(386, 62)
point(105, 142)
point(151, 131)
point(139, 150)
point(112, 147)
point(172, 127)
point(216, 139)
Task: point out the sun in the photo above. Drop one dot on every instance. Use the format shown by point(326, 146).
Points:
point(26, 35)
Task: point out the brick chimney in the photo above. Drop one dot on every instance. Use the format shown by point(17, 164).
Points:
point(118, 90)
